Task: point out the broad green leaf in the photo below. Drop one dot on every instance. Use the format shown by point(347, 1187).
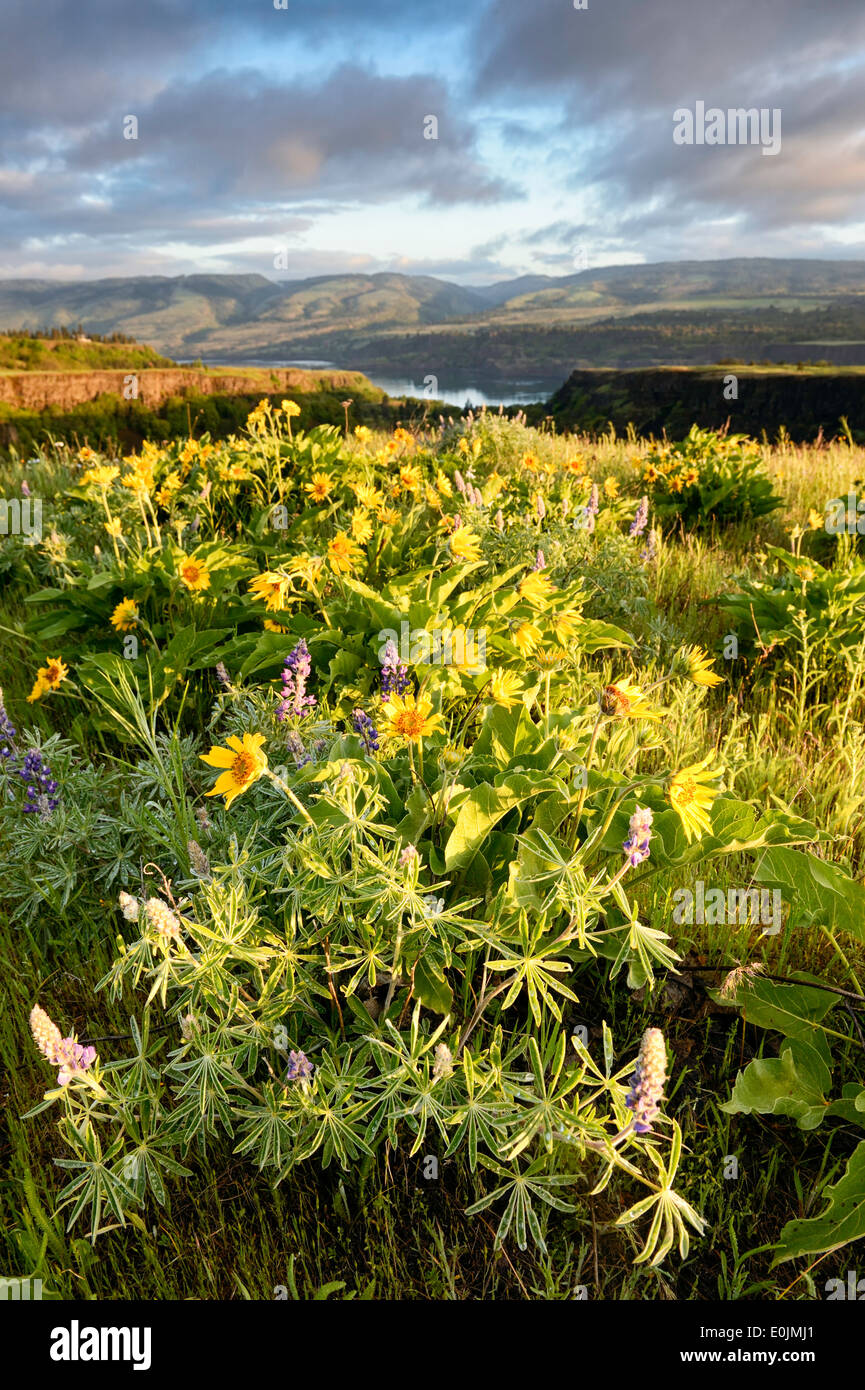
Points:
point(842, 1221)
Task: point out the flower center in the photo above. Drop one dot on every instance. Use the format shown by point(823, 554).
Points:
point(243, 768)
point(683, 793)
point(410, 723)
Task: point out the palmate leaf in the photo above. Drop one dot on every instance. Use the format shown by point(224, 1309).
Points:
point(842, 1221)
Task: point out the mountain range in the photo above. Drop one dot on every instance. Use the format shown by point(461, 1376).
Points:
point(615, 315)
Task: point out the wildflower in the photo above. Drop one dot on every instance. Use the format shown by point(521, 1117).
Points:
point(690, 477)
point(361, 526)
point(222, 675)
point(295, 674)
point(40, 785)
point(815, 519)
point(25, 488)
point(647, 1082)
point(540, 507)
point(194, 575)
point(204, 821)
point(636, 846)
point(651, 474)
point(443, 483)
point(590, 511)
point(505, 688)
point(299, 1068)
point(125, 615)
point(547, 661)
point(540, 562)
point(409, 718)
point(102, 476)
point(198, 859)
point(700, 668)
point(564, 625)
point(444, 1062)
point(65, 1053)
point(500, 521)
point(342, 553)
point(388, 516)
point(270, 626)
point(129, 906)
point(575, 466)
point(290, 408)
point(271, 588)
point(364, 726)
point(689, 795)
point(162, 920)
point(410, 477)
point(611, 487)
point(626, 701)
point(367, 495)
point(114, 527)
point(650, 549)
point(638, 525)
point(527, 636)
point(242, 763)
point(395, 678)
point(362, 432)
point(535, 588)
point(7, 732)
point(531, 462)
point(464, 545)
point(320, 487)
point(408, 856)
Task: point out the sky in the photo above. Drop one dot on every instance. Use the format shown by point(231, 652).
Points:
point(293, 142)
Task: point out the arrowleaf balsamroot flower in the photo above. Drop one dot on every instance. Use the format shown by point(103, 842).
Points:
point(535, 588)
point(700, 667)
point(624, 700)
point(647, 1082)
point(320, 488)
point(273, 588)
point(125, 615)
point(689, 795)
point(408, 718)
point(194, 575)
point(505, 688)
point(464, 545)
point(243, 763)
point(342, 553)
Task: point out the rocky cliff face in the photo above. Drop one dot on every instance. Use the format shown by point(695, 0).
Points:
point(38, 390)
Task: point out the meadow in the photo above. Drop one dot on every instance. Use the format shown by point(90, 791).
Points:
point(350, 779)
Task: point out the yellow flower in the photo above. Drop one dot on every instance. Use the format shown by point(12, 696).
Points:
point(271, 626)
point(363, 433)
point(85, 454)
point(388, 516)
point(361, 526)
point(815, 520)
point(408, 718)
point(547, 660)
point(243, 763)
point(535, 589)
point(342, 553)
point(141, 477)
point(367, 495)
point(195, 575)
point(170, 486)
point(271, 587)
point(625, 700)
point(611, 487)
point(505, 688)
point(410, 477)
point(320, 488)
point(125, 615)
point(689, 795)
point(465, 545)
point(575, 466)
point(102, 476)
point(690, 477)
point(527, 637)
point(564, 625)
point(290, 408)
point(463, 446)
point(443, 483)
point(432, 499)
point(48, 677)
point(531, 462)
point(403, 436)
point(114, 527)
point(700, 668)
point(651, 474)
point(306, 568)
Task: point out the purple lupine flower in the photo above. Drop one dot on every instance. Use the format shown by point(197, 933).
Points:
point(7, 732)
point(650, 549)
point(647, 1082)
point(25, 488)
point(299, 1067)
point(395, 678)
point(638, 525)
point(590, 511)
point(40, 785)
point(459, 482)
point(294, 744)
point(66, 1053)
point(541, 507)
point(540, 562)
point(364, 726)
point(500, 521)
point(295, 674)
point(222, 675)
point(636, 846)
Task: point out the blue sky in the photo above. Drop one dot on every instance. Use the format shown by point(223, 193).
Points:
point(298, 134)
